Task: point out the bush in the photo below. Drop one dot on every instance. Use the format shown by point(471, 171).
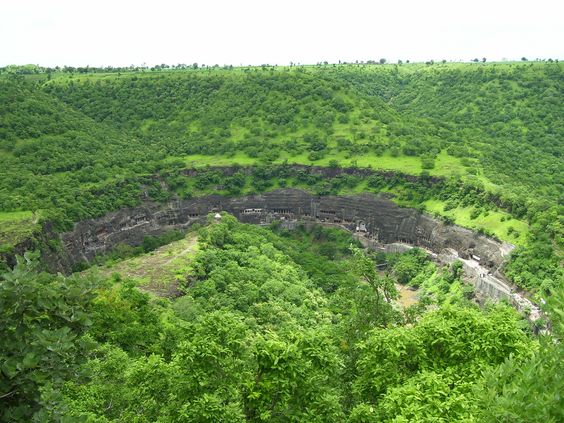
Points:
point(316, 155)
point(475, 213)
point(427, 162)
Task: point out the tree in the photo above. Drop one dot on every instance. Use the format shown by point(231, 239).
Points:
point(295, 379)
point(428, 372)
point(528, 388)
point(43, 318)
point(382, 61)
point(427, 162)
point(334, 164)
point(364, 267)
point(201, 382)
point(408, 265)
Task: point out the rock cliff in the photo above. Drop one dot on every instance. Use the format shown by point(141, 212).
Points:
point(380, 221)
point(379, 218)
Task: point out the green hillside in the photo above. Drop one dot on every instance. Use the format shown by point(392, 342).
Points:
point(494, 116)
point(496, 125)
point(233, 322)
point(75, 146)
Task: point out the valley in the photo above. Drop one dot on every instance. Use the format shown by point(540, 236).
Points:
point(353, 242)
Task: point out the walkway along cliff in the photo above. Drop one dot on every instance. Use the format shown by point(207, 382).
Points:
point(379, 222)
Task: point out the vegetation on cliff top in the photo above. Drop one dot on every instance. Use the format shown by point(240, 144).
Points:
point(77, 145)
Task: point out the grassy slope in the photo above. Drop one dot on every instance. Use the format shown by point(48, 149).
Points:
point(382, 81)
point(445, 165)
point(418, 115)
point(509, 115)
point(15, 216)
point(498, 222)
point(159, 271)
point(489, 95)
point(16, 227)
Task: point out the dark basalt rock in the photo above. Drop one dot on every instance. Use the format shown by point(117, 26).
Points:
point(379, 218)
point(375, 219)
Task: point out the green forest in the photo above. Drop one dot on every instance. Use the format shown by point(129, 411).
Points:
point(75, 145)
point(272, 326)
point(261, 323)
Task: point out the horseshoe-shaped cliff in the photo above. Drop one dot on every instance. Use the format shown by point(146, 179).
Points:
point(378, 221)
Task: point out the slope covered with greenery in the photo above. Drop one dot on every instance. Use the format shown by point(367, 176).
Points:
point(504, 119)
point(77, 145)
point(499, 125)
point(261, 324)
point(487, 118)
point(273, 326)
point(494, 116)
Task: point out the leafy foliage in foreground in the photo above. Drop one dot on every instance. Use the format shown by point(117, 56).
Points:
point(427, 372)
point(256, 338)
point(527, 389)
point(43, 320)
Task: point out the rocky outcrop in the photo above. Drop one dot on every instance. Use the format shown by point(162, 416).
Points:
point(492, 285)
point(377, 216)
point(378, 221)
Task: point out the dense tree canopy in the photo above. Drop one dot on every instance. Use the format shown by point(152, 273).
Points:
point(259, 335)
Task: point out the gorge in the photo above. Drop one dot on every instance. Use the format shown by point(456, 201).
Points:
point(377, 222)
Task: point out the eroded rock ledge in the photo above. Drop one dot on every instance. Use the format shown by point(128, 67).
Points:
point(380, 221)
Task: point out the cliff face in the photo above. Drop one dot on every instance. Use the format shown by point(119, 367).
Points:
point(377, 222)
point(377, 217)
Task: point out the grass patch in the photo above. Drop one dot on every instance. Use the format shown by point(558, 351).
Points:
point(159, 271)
point(15, 216)
point(445, 165)
point(497, 222)
point(200, 160)
point(17, 226)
